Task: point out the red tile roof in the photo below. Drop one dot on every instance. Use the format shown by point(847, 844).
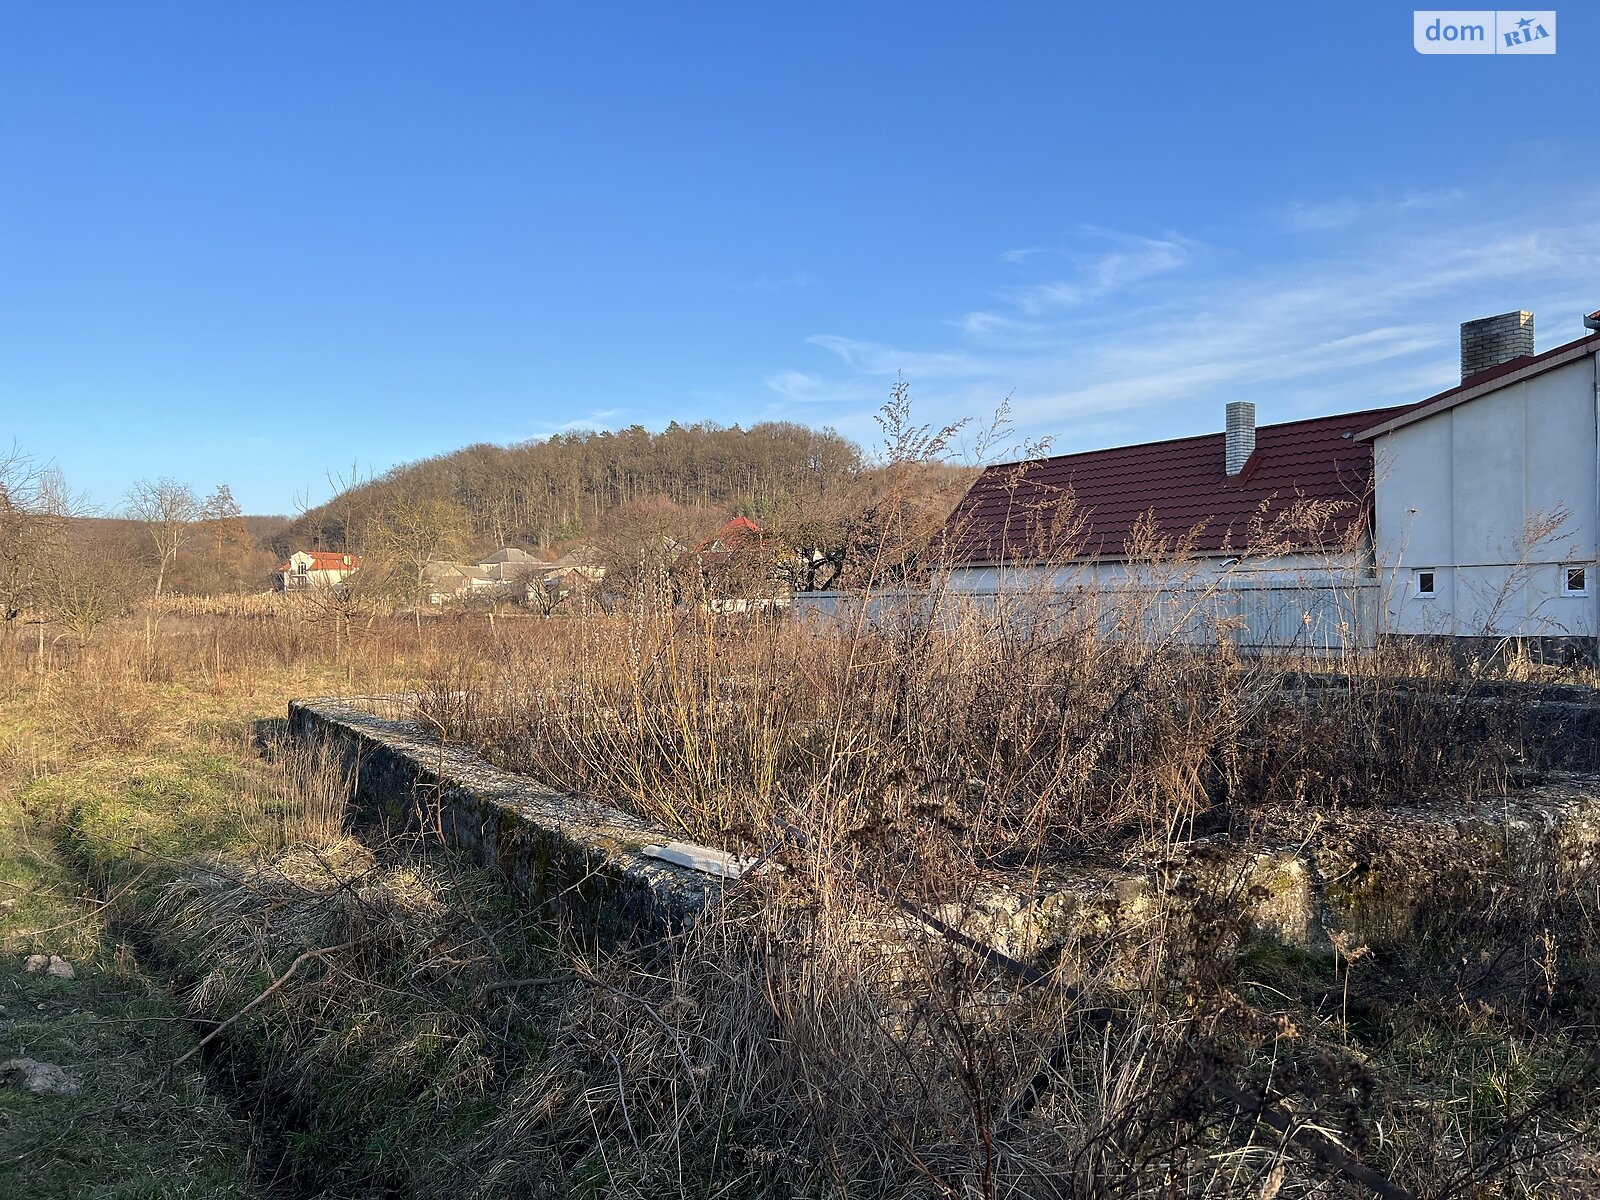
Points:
point(326, 560)
point(741, 533)
point(1180, 483)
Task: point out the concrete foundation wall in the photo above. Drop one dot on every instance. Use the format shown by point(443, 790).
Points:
point(1379, 874)
point(586, 863)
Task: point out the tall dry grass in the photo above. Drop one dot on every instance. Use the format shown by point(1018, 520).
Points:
point(817, 1035)
point(839, 1040)
point(1001, 732)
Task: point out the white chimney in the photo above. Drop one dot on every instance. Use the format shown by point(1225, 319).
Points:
point(1241, 436)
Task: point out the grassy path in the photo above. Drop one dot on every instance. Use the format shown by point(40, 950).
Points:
point(132, 1128)
point(146, 840)
point(105, 783)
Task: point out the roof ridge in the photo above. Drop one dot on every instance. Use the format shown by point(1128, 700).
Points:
point(1196, 437)
point(1515, 370)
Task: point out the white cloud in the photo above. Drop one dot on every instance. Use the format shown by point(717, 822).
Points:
point(1098, 270)
point(591, 422)
point(1374, 324)
point(811, 389)
point(874, 358)
point(1324, 215)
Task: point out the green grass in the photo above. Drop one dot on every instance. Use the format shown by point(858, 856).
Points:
point(388, 1083)
point(135, 1129)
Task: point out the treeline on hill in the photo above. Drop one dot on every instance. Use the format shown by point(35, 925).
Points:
point(831, 516)
point(632, 490)
point(64, 562)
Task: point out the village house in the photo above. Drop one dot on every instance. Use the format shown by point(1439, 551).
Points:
point(742, 569)
point(574, 574)
point(446, 581)
point(308, 569)
point(514, 574)
point(1468, 514)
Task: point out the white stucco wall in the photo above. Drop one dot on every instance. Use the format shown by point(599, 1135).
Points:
point(1279, 570)
point(1322, 602)
point(1465, 492)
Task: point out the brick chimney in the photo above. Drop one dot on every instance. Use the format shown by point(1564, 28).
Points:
point(1490, 341)
point(1241, 435)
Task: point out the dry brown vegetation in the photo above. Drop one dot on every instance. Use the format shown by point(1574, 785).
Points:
point(388, 1020)
point(897, 766)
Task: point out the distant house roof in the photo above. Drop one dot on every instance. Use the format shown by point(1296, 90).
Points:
point(324, 560)
point(741, 533)
point(508, 554)
point(1181, 484)
point(578, 558)
point(1516, 370)
point(445, 573)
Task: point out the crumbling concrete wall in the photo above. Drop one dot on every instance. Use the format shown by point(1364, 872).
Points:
point(592, 866)
point(1378, 875)
point(1541, 726)
point(1375, 876)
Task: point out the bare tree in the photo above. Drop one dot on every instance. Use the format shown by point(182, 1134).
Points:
point(89, 585)
point(222, 518)
point(639, 545)
point(409, 533)
point(168, 510)
point(348, 608)
point(35, 507)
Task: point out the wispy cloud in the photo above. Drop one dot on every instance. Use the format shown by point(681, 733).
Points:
point(774, 283)
point(1370, 324)
point(874, 358)
point(1341, 213)
point(591, 422)
point(1100, 261)
point(802, 388)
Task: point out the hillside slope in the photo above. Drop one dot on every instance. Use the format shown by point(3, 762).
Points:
point(579, 486)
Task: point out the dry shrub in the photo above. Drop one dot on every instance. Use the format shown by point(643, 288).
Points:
point(94, 700)
point(814, 1036)
point(1005, 732)
point(304, 799)
point(815, 1039)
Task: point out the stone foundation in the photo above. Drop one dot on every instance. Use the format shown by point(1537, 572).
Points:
point(605, 873)
point(1378, 876)
point(1375, 876)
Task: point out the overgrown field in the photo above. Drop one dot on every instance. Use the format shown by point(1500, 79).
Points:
point(271, 999)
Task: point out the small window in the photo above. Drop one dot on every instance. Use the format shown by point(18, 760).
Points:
point(1424, 581)
point(1575, 581)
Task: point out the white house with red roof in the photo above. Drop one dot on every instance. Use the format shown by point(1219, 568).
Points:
point(1471, 513)
point(1486, 495)
point(308, 569)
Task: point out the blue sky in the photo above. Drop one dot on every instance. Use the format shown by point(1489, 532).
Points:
point(254, 244)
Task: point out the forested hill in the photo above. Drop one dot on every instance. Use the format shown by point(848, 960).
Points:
point(548, 492)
